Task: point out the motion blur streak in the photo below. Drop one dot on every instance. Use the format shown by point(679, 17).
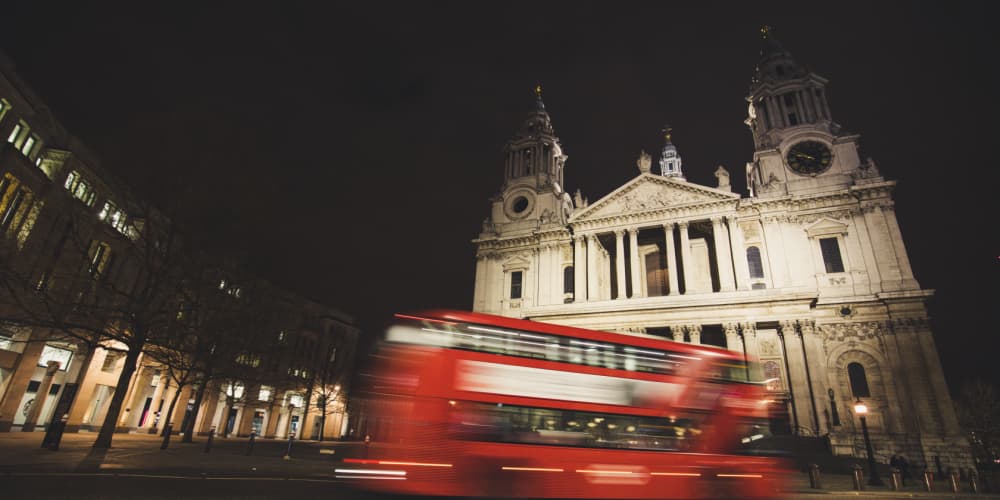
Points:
point(684, 474)
point(532, 469)
point(371, 471)
point(740, 475)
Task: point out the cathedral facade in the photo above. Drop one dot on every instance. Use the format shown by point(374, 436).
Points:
point(808, 274)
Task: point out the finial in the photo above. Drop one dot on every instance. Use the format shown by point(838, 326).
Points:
point(765, 31)
point(538, 90)
point(538, 97)
point(666, 132)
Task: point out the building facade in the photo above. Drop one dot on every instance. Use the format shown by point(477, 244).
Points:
point(808, 273)
point(67, 225)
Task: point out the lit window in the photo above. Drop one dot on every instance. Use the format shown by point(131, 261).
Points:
point(296, 400)
point(831, 255)
point(116, 217)
point(14, 200)
point(50, 353)
point(234, 391)
point(26, 142)
point(80, 188)
point(6, 342)
point(100, 256)
point(265, 393)
point(16, 133)
point(515, 284)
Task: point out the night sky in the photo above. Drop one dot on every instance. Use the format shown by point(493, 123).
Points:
point(349, 153)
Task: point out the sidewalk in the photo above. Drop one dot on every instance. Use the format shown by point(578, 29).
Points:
point(140, 454)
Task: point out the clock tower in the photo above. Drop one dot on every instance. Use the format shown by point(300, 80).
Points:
point(533, 193)
point(798, 148)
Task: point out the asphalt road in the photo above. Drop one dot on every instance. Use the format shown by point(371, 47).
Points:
point(159, 487)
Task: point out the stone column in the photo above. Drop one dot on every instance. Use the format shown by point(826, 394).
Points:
point(592, 292)
point(620, 262)
point(723, 260)
point(896, 237)
point(209, 405)
point(85, 387)
point(181, 408)
point(142, 378)
point(127, 402)
point(685, 254)
point(733, 341)
point(31, 419)
point(668, 233)
point(775, 252)
point(157, 396)
point(694, 333)
point(579, 270)
point(633, 241)
point(739, 254)
point(815, 369)
point(18, 385)
point(752, 350)
point(677, 332)
point(795, 359)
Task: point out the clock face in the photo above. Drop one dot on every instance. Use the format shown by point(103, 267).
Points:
point(809, 157)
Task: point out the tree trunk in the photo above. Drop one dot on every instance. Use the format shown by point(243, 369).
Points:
point(170, 409)
point(322, 417)
point(225, 417)
point(118, 398)
point(189, 428)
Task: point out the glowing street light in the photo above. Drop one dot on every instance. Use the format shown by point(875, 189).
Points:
point(861, 410)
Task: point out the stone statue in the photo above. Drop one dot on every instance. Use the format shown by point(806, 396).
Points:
point(644, 162)
point(578, 199)
point(723, 176)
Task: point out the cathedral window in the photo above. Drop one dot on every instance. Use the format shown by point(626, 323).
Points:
point(516, 278)
point(568, 280)
point(100, 257)
point(792, 119)
point(859, 382)
point(831, 255)
point(754, 263)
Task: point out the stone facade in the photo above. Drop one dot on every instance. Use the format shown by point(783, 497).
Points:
point(808, 274)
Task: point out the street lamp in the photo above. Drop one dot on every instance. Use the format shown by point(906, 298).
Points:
point(861, 410)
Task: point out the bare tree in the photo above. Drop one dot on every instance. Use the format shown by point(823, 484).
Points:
point(979, 413)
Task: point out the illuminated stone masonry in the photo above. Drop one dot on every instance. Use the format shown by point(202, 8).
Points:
point(807, 274)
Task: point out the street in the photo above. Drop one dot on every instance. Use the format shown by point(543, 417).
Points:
point(154, 486)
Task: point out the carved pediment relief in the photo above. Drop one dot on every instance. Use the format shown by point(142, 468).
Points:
point(649, 192)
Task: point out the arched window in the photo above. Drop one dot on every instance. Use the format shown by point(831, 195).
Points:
point(568, 280)
point(859, 382)
point(754, 262)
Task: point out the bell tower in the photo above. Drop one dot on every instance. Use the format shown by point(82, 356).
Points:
point(799, 149)
point(533, 193)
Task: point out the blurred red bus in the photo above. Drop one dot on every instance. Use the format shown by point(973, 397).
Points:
point(469, 404)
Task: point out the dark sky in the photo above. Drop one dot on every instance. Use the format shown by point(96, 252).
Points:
point(349, 152)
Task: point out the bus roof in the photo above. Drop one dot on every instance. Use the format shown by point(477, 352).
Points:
point(570, 331)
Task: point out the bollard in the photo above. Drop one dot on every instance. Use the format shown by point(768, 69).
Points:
point(859, 478)
point(895, 478)
point(953, 477)
point(167, 429)
point(814, 477)
point(208, 442)
point(288, 451)
point(250, 444)
point(973, 481)
point(928, 480)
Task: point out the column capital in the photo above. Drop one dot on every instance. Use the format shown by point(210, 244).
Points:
point(731, 328)
point(731, 219)
point(668, 226)
point(807, 326)
point(693, 328)
point(716, 220)
point(749, 328)
point(591, 237)
point(683, 225)
point(677, 331)
point(619, 233)
point(787, 327)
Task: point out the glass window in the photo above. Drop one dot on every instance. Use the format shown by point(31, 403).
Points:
point(569, 282)
point(831, 255)
point(859, 382)
point(15, 133)
point(110, 361)
point(6, 342)
point(755, 263)
point(58, 354)
point(515, 284)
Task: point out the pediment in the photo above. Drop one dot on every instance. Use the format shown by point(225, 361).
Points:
point(826, 226)
point(649, 192)
point(516, 263)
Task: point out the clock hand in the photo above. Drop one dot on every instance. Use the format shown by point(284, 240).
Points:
point(803, 155)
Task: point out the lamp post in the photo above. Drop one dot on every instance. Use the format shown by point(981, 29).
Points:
point(861, 410)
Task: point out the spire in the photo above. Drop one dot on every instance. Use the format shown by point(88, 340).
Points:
point(534, 150)
point(539, 105)
point(670, 160)
point(776, 63)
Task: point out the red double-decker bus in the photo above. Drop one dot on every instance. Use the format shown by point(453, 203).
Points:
point(469, 404)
